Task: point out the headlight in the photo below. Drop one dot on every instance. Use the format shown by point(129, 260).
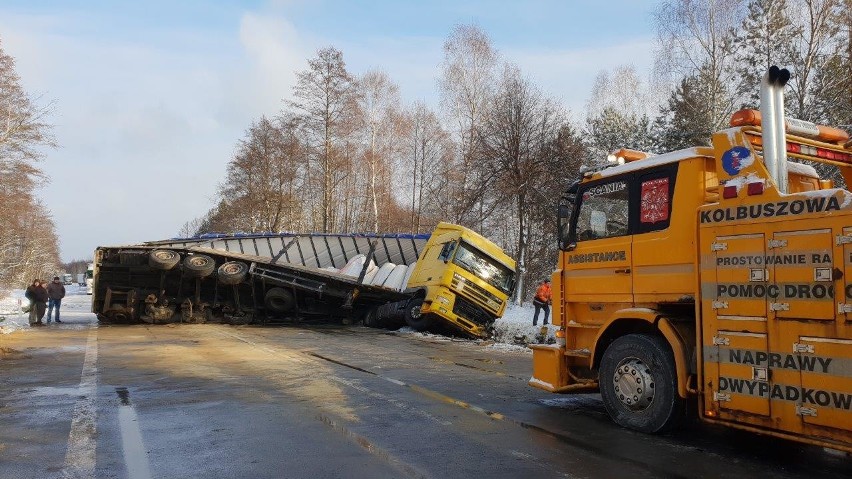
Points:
point(443, 300)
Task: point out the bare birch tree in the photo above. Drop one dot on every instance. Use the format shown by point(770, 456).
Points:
point(380, 107)
point(814, 46)
point(429, 146)
point(466, 86)
point(325, 96)
point(696, 35)
point(514, 144)
point(261, 181)
point(28, 242)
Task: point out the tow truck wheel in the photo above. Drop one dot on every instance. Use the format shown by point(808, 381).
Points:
point(232, 272)
point(414, 317)
point(639, 385)
point(198, 266)
point(163, 259)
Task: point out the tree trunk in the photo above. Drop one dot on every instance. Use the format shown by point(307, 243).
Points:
point(522, 249)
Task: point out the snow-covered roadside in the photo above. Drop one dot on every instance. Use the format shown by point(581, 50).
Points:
point(512, 332)
point(11, 317)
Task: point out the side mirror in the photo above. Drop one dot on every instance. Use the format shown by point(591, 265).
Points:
point(446, 251)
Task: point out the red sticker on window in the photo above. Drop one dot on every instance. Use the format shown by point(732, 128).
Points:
point(655, 201)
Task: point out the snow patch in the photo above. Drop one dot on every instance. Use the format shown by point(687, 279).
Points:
point(515, 327)
point(11, 317)
point(802, 169)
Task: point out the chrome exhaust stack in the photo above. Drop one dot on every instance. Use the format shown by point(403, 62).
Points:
point(772, 123)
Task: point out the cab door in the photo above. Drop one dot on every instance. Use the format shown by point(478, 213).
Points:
point(598, 268)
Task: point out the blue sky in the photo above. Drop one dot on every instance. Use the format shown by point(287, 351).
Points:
point(151, 97)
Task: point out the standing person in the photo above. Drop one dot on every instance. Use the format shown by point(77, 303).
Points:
point(55, 293)
point(38, 297)
point(542, 301)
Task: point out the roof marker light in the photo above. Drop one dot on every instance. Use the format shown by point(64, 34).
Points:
point(794, 127)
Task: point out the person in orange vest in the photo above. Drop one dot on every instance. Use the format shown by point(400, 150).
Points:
point(542, 301)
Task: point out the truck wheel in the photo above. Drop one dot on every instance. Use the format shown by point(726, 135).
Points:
point(279, 300)
point(414, 317)
point(639, 385)
point(163, 259)
point(198, 266)
point(371, 318)
point(232, 272)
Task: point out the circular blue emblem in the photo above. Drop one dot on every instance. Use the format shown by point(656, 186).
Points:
point(736, 159)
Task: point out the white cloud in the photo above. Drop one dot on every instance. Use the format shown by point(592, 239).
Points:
point(145, 130)
point(276, 52)
point(570, 73)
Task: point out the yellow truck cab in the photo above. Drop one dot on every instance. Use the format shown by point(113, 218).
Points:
point(720, 275)
point(461, 278)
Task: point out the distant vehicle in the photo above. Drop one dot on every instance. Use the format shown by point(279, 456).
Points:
point(68, 279)
point(81, 279)
point(90, 277)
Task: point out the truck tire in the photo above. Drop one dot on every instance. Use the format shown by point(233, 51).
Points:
point(279, 300)
point(232, 272)
point(198, 266)
point(371, 318)
point(415, 318)
point(163, 259)
point(638, 384)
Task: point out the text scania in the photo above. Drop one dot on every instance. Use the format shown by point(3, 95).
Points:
point(598, 257)
point(771, 210)
point(782, 392)
point(606, 188)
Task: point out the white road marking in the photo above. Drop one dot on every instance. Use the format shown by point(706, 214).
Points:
point(80, 455)
point(135, 456)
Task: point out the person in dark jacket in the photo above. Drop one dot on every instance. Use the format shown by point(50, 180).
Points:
point(55, 293)
point(38, 297)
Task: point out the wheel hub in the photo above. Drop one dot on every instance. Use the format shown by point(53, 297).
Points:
point(634, 384)
point(232, 268)
point(195, 261)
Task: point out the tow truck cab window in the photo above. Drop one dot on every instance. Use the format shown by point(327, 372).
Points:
point(635, 203)
point(604, 210)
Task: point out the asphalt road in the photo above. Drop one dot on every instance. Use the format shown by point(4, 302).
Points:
point(215, 401)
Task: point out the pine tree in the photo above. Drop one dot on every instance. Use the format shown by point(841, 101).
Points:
point(611, 130)
point(763, 40)
point(688, 120)
point(833, 82)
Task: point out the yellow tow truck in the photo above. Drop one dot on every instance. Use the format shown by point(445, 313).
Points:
point(720, 275)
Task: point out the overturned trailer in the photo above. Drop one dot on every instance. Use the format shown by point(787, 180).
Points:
point(452, 279)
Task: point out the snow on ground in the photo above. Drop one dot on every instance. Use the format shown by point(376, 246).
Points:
point(512, 333)
point(11, 317)
point(75, 310)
